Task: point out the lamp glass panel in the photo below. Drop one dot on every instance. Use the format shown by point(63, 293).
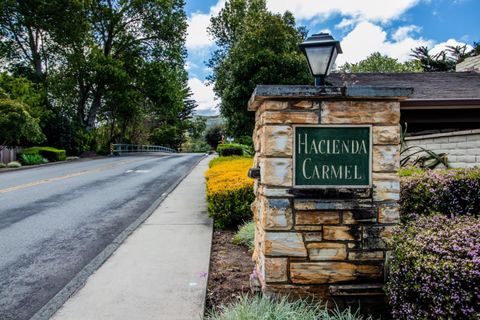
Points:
point(318, 59)
point(332, 62)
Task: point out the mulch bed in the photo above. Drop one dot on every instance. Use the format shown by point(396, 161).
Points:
point(230, 269)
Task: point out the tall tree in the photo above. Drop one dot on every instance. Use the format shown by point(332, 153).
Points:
point(376, 62)
point(255, 47)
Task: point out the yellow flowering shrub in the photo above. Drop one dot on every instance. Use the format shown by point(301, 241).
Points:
point(229, 191)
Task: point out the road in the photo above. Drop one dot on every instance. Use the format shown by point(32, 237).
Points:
point(55, 219)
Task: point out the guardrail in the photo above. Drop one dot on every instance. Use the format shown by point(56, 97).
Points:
point(119, 148)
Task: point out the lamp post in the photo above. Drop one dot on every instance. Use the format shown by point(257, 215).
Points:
point(321, 50)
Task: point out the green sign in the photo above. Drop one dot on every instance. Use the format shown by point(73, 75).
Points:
point(328, 156)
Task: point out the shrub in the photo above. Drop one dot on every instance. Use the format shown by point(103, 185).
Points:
point(49, 153)
point(231, 149)
point(31, 159)
point(2, 165)
point(245, 235)
point(14, 164)
point(435, 269)
point(230, 192)
point(263, 307)
point(449, 192)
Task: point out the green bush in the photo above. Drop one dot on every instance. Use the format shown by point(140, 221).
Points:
point(263, 307)
point(230, 192)
point(231, 149)
point(449, 192)
point(49, 153)
point(245, 236)
point(14, 164)
point(231, 208)
point(2, 165)
point(31, 159)
point(435, 269)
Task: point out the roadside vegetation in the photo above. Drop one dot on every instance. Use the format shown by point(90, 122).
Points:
point(229, 191)
point(263, 307)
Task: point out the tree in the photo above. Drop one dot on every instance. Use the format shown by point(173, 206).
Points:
point(17, 126)
point(213, 136)
point(376, 62)
point(433, 63)
point(255, 47)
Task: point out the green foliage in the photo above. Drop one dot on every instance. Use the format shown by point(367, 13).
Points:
point(214, 135)
point(49, 153)
point(376, 62)
point(245, 235)
point(31, 159)
point(113, 64)
point(2, 165)
point(229, 191)
point(255, 47)
point(17, 126)
point(232, 208)
point(264, 307)
point(449, 192)
point(434, 269)
point(14, 164)
point(234, 149)
point(196, 127)
point(230, 149)
point(195, 146)
point(245, 140)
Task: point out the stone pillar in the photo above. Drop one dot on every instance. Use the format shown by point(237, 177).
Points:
point(330, 243)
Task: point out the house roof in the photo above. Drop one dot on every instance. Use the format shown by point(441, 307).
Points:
point(428, 86)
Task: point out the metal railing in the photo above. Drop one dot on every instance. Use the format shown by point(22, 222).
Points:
point(119, 148)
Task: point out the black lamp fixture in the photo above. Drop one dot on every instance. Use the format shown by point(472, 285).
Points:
point(321, 50)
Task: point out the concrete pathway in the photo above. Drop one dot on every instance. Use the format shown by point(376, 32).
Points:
point(160, 271)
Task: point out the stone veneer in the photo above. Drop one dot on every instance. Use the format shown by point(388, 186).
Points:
point(326, 243)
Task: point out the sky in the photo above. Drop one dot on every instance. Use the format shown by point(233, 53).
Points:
point(392, 27)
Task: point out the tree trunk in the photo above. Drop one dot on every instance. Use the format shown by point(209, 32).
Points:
point(92, 113)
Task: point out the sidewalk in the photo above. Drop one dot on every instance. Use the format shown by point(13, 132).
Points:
point(160, 271)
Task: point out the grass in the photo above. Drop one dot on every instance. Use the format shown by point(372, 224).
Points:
point(263, 307)
point(245, 236)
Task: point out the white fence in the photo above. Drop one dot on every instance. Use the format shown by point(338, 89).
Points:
point(462, 147)
point(8, 154)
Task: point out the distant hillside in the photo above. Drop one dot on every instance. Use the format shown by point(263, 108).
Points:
point(213, 121)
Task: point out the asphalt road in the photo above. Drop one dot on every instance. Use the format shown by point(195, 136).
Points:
point(54, 220)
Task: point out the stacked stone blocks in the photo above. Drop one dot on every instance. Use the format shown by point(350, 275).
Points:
point(317, 245)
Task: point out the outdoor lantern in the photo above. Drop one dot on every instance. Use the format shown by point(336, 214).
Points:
point(321, 51)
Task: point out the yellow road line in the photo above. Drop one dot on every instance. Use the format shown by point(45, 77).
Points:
point(67, 176)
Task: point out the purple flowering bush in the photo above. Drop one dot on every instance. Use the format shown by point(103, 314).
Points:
point(448, 192)
point(435, 269)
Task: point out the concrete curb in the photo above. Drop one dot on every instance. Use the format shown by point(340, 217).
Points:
point(49, 309)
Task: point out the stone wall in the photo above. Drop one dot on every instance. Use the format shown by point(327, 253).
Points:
point(327, 243)
point(462, 147)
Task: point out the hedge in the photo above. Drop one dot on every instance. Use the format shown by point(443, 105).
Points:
point(435, 269)
point(229, 192)
point(449, 192)
point(49, 153)
point(234, 149)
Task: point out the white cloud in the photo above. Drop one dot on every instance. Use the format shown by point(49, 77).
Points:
point(367, 38)
point(450, 42)
point(404, 32)
point(197, 35)
point(371, 10)
point(203, 95)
